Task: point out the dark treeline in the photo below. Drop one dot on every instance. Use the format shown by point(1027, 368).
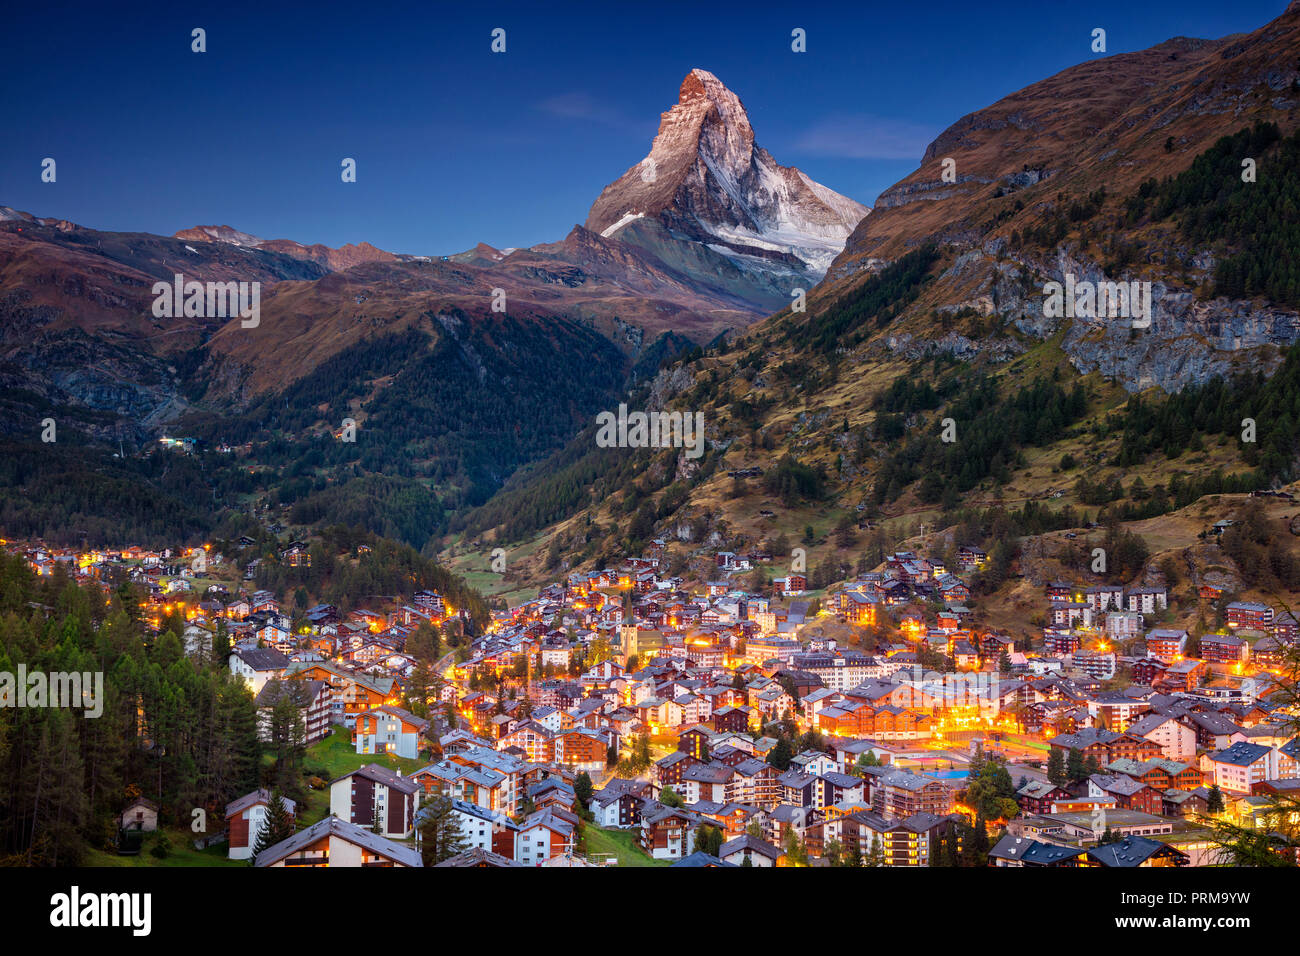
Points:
point(179, 732)
point(880, 298)
point(1260, 551)
point(407, 511)
point(67, 493)
point(1255, 225)
point(445, 420)
point(793, 481)
point(349, 565)
point(1220, 407)
point(990, 429)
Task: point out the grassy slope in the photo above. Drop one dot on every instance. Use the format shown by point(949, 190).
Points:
point(622, 844)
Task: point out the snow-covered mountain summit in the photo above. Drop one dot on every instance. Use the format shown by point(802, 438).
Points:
point(706, 180)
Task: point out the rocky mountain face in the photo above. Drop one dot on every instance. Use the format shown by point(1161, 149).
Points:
point(343, 257)
point(824, 389)
point(1107, 124)
point(722, 234)
point(706, 181)
point(77, 331)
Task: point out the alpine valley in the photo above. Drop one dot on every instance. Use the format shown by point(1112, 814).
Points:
point(475, 426)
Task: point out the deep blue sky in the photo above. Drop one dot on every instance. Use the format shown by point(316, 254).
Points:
point(457, 145)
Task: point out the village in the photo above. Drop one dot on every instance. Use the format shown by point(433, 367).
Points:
point(629, 717)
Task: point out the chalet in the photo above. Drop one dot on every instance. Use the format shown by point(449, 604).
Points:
point(841, 788)
point(1134, 851)
point(1181, 676)
point(430, 601)
point(1127, 792)
point(1285, 628)
point(860, 608)
point(1186, 803)
point(618, 803)
point(390, 730)
point(581, 749)
point(1106, 745)
point(258, 665)
point(953, 590)
point(1269, 651)
point(666, 833)
point(1159, 774)
point(1037, 796)
point(197, 639)
point(669, 770)
point(732, 719)
point(140, 814)
point(334, 842)
point(1177, 741)
point(481, 828)
point(908, 841)
point(1237, 769)
point(706, 781)
point(545, 835)
point(900, 794)
point(245, 818)
point(375, 793)
point(1214, 731)
point(1145, 670)
point(749, 849)
point(352, 693)
point(296, 555)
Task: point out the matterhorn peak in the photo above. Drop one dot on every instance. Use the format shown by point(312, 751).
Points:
point(705, 179)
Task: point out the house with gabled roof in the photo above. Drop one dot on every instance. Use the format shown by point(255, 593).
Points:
point(544, 835)
point(667, 832)
point(1176, 739)
point(310, 698)
point(750, 850)
point(374, 794)
point(1134, 851)
point(334, 842)
point(388, 729)
point(245, 818)
point(1240, 767)
point(258, 665)
point(1018, 851)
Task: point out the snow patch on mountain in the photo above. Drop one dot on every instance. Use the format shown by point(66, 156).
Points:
point(627, 218)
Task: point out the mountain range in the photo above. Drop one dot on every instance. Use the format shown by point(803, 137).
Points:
point(676, 292)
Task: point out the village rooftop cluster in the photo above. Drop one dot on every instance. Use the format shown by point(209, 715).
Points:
point(631, 700)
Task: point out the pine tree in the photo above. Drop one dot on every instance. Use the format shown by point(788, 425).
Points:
point(277, 825)
point(1074, 767)
point(440, 831)
point(1214, 803)
point(781, 755)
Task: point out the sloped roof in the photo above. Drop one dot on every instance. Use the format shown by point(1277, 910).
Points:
point(334, 826)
